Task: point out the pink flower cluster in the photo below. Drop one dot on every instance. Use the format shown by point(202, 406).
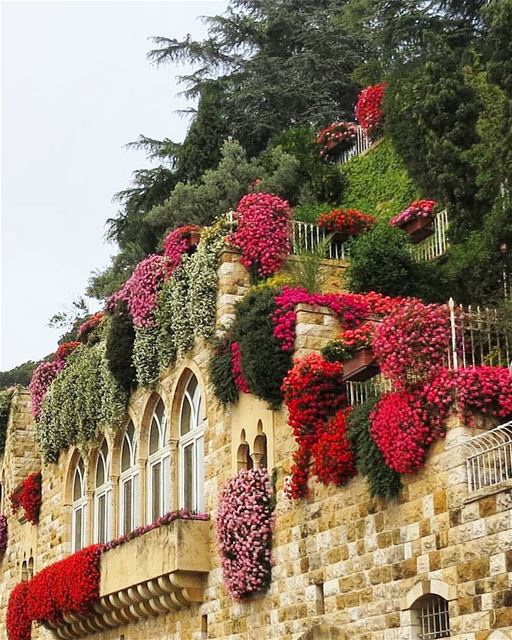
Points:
point(417, 209)
point(3, 533)
point(89, 326)
point(140, 291)
point(244, 532)
point(263, 232)
point(400, 431)
point(236, 367)
point(42, 378)
point(411, 342)
point(350, 309)
point(180, 241)
point(369, 112)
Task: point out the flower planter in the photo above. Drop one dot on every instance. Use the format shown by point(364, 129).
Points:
point(362, 366)
point(418, 229)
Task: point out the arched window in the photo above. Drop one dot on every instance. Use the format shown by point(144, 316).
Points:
point(79, 507)
point(191, 447)
point(129, 482)
point(102, 497)
point(159, 465)
point(431, 619)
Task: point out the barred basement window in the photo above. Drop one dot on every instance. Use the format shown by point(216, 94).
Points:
point(490, 457)
point(433, 618)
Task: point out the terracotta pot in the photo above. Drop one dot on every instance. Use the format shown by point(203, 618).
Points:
point(418, 229)
point(362, 366)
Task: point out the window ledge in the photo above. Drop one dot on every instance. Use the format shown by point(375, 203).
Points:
point(160, 571)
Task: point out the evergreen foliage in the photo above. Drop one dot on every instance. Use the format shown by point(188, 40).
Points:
point(383, 482)
point(221, 372)
point(5, 408)
point(119, 339)
point(22, 374)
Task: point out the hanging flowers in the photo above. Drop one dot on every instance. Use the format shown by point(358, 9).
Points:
point(180, 241)
point(236, 365)
point(333, 459)
point(19, 625)
point(43, 376)
point(87, 328)
point(263, 232)
point(244, 532)
point(369, 112)
point(27, 496)
point(346, 223)
point(336, 138)
point(3, 533)
point(419, 209)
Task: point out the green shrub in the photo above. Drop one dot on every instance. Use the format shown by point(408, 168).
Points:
point(119, 339)
point(383, 482)
point(221, 372)
point(311, 212)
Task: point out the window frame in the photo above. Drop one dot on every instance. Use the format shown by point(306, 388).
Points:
point(131, 474)
point(194, 438)
point(162, 457)
point(79, 506)
point(103, 491)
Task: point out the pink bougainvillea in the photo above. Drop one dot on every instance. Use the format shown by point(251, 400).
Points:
point(417, 209)
point(336, 138)
point(369, 112)
point(263, 233)
point(140, 291)
point(244, 532)
point(411, 342)
point(236, 366)
point(42, 378)
point(180, 241)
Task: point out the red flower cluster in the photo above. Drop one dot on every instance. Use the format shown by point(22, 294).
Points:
point(400, 430)
point(333, 459)
point(314, 392)
point(87, 327)
point(66, 587)
point(180, 241)
point(369, 111)
point(417, 209)
point(263, 232)
point(411, 342)
point(346, 222)
point(27, 495)
point(66, 349)
point(336, 138)
point(352, 340)
point(236, 367)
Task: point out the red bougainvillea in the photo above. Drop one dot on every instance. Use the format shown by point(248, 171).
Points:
point(411, 342)
point(87, 327)
point(369, 112)
point(27, 496)
point(314, 392)
point(336, 138)
point(400, 430)
point(263, 232)
point(66, 349)
point(236, 366)
point(333, 459)
point(180, 241)
point(417, 209)
point(140, 291)
point(19, 625)
point(346, 222)
point(244, 532)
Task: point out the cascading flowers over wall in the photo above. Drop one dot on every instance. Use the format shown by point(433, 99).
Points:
point(27, 496)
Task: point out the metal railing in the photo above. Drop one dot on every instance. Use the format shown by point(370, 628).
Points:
point(479, 336)
point(435, 245)
point(361, 144)
point(490, 458)
point(307, 236)
point(360, 392)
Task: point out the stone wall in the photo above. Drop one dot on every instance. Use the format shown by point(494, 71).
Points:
point(346, 565)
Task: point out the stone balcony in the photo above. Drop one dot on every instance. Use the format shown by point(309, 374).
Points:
point(163, 570)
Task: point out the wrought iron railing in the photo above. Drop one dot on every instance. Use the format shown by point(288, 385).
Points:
point(307, 236)
point(490, 457)
point(361, 144)
point(435, 245)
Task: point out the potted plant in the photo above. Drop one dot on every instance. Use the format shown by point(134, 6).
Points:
point(345, 223)
point(354, 349)
point(416, 220)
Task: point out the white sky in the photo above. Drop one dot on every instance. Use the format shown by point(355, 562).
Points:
point(76, 87)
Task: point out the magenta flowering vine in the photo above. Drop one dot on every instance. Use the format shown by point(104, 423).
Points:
point(140, 291)
point(3, 533)
point(236, 367)
point(263, 233)
point(180, 241)
point(245, 523)
point(42, 378)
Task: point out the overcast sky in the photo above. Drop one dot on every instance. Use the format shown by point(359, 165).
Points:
point(75, 87)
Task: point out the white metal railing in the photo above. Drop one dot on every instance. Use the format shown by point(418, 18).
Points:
point(360, 392)
point(479, 336)
point(361, 144)
point(490, 457)
point(435, 245)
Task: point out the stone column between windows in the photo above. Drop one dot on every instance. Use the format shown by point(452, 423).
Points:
point(141, 507)
point(89, 518)
point(174, 474)
point(115, 506)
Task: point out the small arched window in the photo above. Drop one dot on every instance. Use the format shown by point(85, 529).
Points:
point(79, 507)
point(159, 464)
point(102, 496)
point(432, 620)
point(191, 447)
point(129, 482)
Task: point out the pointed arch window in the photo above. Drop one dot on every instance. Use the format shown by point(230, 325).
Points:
point(129, 482)
point(102, 496)
point(191, 447)
point(79, 507)
point(159, 464)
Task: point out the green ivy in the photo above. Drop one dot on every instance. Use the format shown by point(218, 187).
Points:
point(5, 408)
point(82, 401)
point(146, 359)
point(383, 482)
point(221, 372)
point(378, 183)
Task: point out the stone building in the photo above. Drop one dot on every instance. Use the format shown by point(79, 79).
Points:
point(435, 563)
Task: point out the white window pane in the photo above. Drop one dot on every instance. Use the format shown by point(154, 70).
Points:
point(199, 474)
point(156, 494)
point(166, 482)
point(188, 476)
point(127, 520)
